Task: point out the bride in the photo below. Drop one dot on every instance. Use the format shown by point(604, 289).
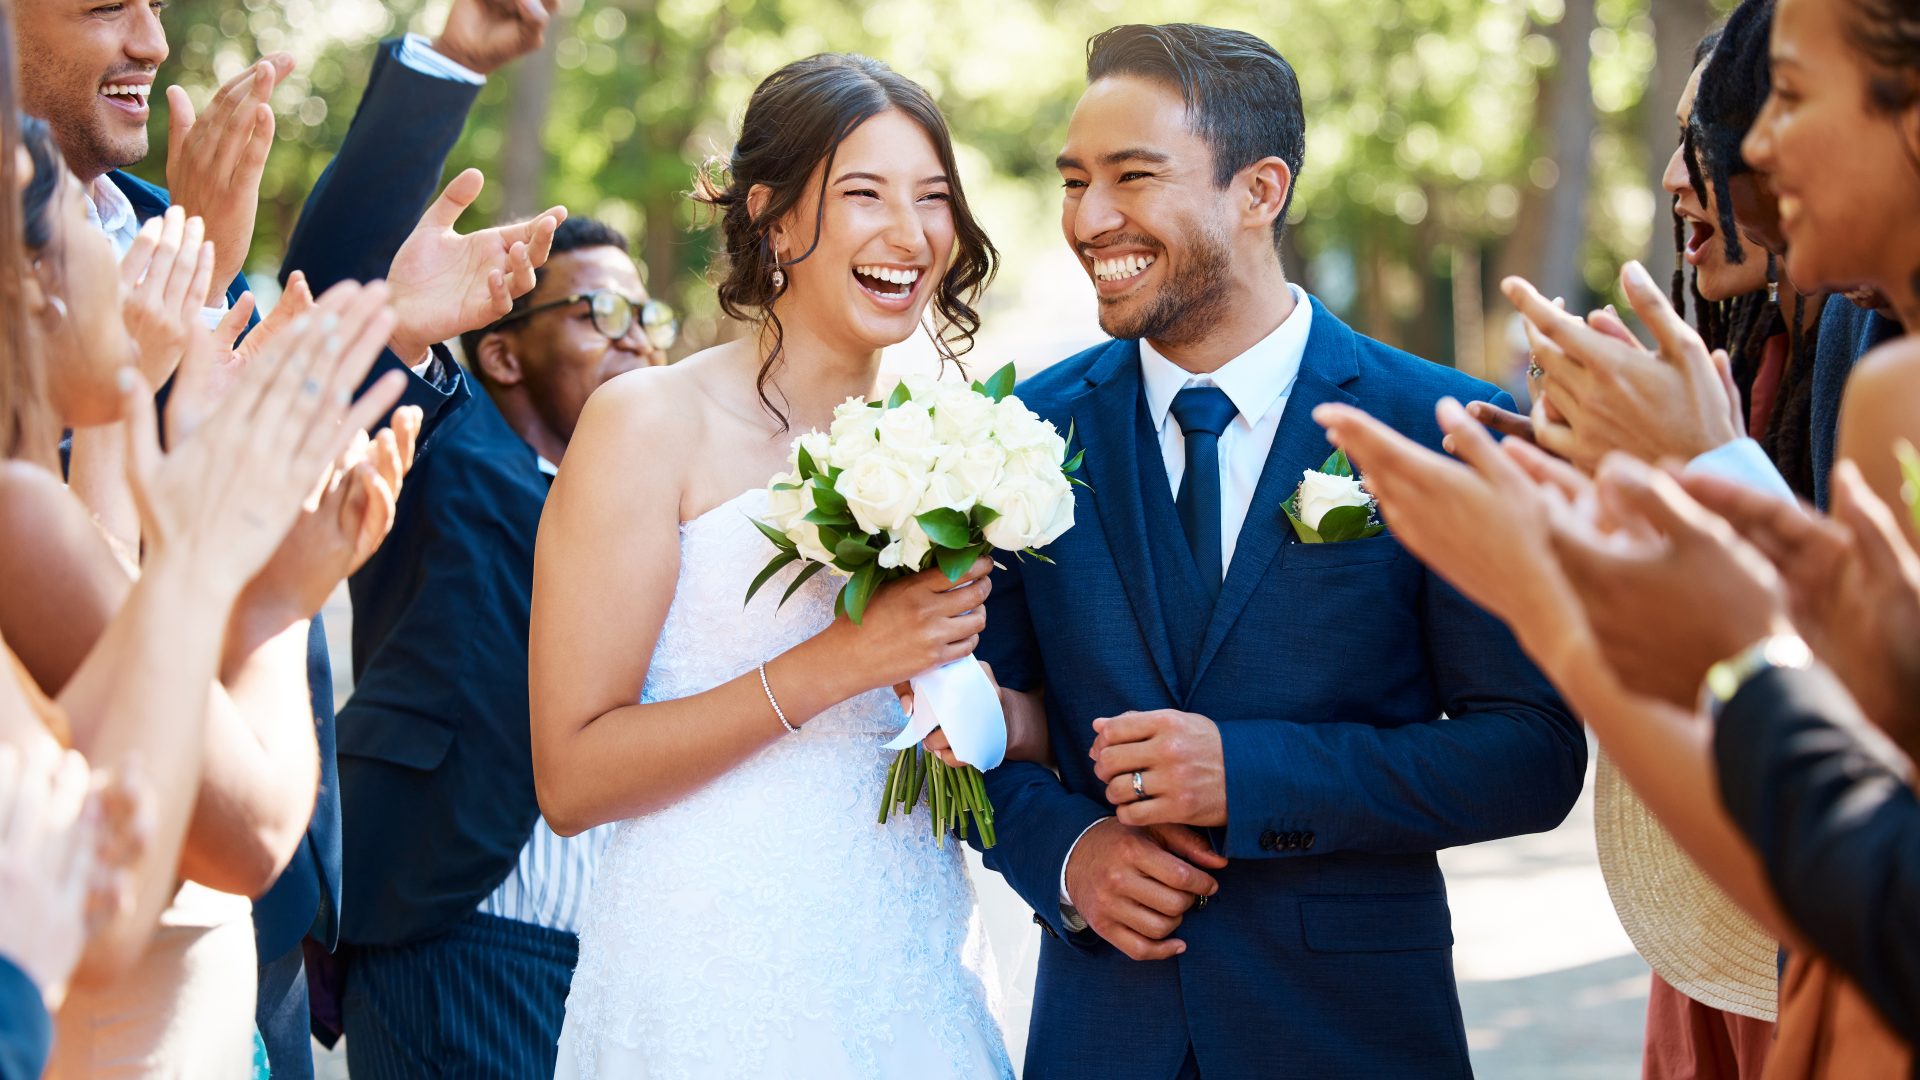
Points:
point(749, 918)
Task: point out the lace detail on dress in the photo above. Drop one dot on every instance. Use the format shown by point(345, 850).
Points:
point(765, 925)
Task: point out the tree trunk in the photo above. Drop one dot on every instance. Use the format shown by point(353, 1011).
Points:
point(1550, 234)
point(1678, 25)
point(521, 174)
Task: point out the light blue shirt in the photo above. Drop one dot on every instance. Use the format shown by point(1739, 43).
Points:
point(1743, 462)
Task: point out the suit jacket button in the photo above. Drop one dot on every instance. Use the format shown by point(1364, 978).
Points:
point(1293, 841)
point(1267, 840)
point(1306, 842)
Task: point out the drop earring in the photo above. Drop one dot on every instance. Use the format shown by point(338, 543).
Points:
point(779, 279)
point(59, 306)
point(1773, 281)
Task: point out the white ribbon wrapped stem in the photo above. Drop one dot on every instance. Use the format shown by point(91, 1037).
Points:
point(960, 698)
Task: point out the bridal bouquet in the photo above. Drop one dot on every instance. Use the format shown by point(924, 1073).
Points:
point(938, 474)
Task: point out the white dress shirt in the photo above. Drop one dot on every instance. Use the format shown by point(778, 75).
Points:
point(1744, 462)
point(1258, 382)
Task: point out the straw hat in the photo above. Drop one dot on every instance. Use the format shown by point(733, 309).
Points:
point(1688, 931)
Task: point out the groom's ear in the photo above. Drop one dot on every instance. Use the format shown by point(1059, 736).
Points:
point(1268, 183)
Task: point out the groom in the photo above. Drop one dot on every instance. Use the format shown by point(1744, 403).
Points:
point(1261, 743)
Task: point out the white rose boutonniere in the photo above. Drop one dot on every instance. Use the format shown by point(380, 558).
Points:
point(1331, 505)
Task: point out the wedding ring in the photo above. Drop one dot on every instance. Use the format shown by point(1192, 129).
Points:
point(1139, 787)
point(1534, 370)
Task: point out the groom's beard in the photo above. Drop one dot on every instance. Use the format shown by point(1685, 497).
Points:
point(1188, 304)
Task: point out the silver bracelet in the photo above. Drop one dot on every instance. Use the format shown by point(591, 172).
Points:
point(775, 702)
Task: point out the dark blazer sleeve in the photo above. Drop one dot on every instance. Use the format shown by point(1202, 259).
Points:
point(372, 195)
point(1836, 828)
point(26, 1032)
point(1050, 817)
point(386, 172)
point(1504, 758)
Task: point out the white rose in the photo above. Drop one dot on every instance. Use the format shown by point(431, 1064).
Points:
point(908, 427)
point(961, 416)
point(854, 433)
point(1018, 428)
point(1033, 512)
point(816, 444)
point(882, 491)
point(962, 476)
point(1321, 492)
point(919, 387)
point(786, 508)
point(909, 549)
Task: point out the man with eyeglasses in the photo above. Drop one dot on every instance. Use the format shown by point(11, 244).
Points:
point(461, 911)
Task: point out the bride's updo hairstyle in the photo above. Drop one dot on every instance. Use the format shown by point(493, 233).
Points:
point(796, 119)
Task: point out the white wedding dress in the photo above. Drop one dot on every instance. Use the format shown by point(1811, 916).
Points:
point(765, 925)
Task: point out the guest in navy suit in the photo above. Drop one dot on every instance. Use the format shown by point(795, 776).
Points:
point(1261, 742)
point(462, 924)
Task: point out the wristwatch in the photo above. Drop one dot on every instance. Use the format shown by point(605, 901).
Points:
point(1725, 679)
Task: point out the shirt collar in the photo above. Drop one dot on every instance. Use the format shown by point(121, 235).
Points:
point(1254, 381)
point(109, 208)
point(546, 466)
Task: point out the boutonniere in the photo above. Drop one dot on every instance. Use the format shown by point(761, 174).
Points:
point(1331, 505)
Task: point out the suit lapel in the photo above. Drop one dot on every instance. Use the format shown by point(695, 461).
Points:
point(1300, 444)
point(1106, 418)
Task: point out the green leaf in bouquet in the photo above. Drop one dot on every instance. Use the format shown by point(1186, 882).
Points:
point(984, 516)
point(822, 516)
point(900, 396)
point(852, 553)
point(825, 498)
point(946, 528)
point(784, 486)
point(779, 563)
point(778, 538)
point(804, 465)
point(802, 578)
point(954, 561)
point(830, 536)
point(1343, 523)
point(859, 590)
point(1300, 528)
point(1000, 383)
point(1910, 477)
point(978, 387)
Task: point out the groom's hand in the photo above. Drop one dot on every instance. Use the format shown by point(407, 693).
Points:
point(1134, 886)
point(1177, 755)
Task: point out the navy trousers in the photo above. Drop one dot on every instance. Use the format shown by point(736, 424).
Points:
point(483, 1001)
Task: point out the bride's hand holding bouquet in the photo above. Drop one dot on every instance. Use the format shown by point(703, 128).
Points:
point(912, 493)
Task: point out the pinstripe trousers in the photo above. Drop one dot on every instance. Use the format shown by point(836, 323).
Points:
point(483, 1001)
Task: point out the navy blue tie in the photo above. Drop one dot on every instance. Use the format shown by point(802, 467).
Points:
point(1203, 412)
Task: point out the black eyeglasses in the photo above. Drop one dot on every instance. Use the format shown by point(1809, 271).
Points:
point(613, 315)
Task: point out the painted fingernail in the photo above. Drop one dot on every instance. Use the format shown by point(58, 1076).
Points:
point(124, 379)
point(1637, 275)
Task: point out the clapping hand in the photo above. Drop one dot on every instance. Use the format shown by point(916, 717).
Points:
point(1672, 590)
point(1179, 763)
point(164, 279)
point(47, 863)
point(214, 362)
point(484, 34)
point(1852, 583)
point(226, 496)
point(215, 161)
point(1675, 401)
point(335, 537)
point(445, 284)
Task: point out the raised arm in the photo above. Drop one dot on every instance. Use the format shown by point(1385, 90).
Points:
point(605, 568)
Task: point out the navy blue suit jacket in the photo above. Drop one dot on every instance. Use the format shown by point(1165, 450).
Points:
point(436, 763)
point(372, 194)
point(1328, 668)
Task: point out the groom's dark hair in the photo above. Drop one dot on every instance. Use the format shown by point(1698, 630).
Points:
point(1242, 96)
